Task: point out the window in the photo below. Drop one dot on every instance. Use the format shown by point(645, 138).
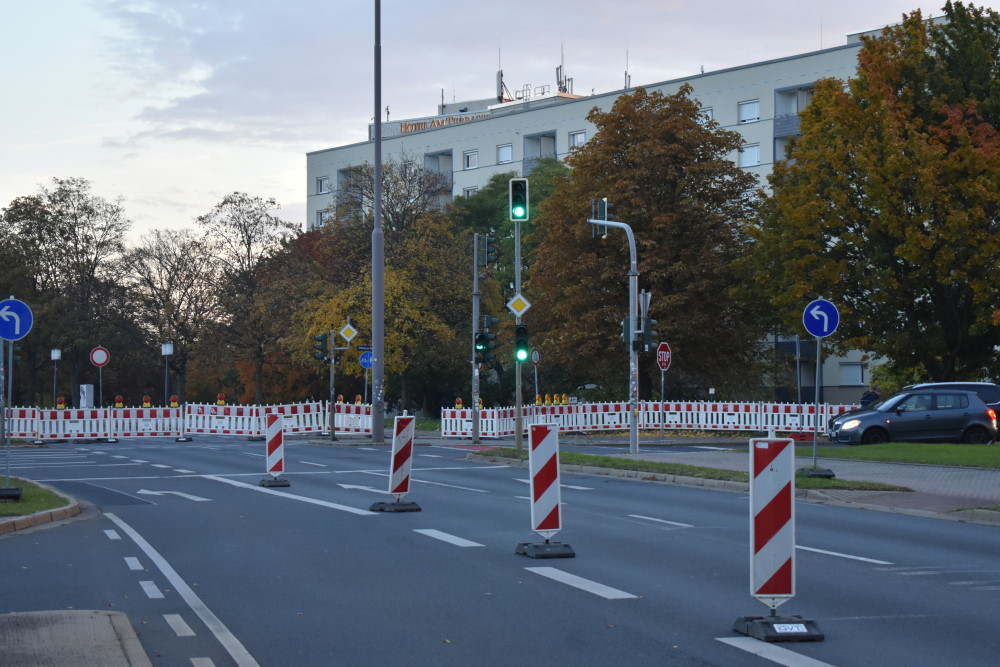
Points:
point(749, 111)
point(468, 192)
point(505, 154)
point(323, 185)
point(470, 159)
point(750, 157)
point(851, 374)
point(708, 113)
point(322, 217)
point(952, 401)
point(577, 139)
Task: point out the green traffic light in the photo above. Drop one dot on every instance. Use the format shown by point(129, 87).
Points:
point(518, 212)
point(521, 355)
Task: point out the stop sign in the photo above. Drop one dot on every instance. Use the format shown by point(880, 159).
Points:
point(663, 356)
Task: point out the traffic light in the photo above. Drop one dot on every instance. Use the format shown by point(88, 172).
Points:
point(600, 209)
point(522, 349)
point(487, 250)
point(518, 199)
point(648, 334)
point(322, 352)
point(488, 322)
point(484, 346)
point(16, 351)
point(625, 328)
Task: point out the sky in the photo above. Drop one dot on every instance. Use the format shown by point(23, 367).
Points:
point(173, 104)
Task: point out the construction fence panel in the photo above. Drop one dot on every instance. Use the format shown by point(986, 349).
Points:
point(72, 424)
point(21, 422)
point(223, 420)
point(309, 417)
point(146, 422)
point(355, 418)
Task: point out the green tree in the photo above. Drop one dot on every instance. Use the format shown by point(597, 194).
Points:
point(888, 204)
point(669, 174)
point(242, 234)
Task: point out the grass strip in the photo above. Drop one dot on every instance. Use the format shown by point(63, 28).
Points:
point(638, 465)
point(973, 456)
point(34, 498)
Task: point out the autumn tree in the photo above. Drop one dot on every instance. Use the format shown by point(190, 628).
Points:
point(63, 247)
point(669, 174)
point(888, 203)
point(428, 261)
point(242, 233)
point(173, 277)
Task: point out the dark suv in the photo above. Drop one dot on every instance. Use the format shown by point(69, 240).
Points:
point(920, 414)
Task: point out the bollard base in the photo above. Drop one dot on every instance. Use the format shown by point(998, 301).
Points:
point(545, 550)
point(778, 628)
point(818, 472)
point(394, 507)
point(274, 481)
point(10, 494)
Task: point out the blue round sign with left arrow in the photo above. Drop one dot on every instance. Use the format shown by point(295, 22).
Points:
point(821, 318)
point(366, 360)
point(15, 319)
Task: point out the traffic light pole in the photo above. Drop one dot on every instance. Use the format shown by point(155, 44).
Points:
point(475, 332)
point(633, 352)
point(518, 395)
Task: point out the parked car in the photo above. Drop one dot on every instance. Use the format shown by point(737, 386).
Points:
point(930, 415)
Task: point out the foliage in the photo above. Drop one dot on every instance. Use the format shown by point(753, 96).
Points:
point(888, 204)
point(34, 498)
point(242, 234)
point(668, 174)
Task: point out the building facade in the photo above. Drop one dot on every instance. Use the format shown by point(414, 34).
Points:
point(472, 141)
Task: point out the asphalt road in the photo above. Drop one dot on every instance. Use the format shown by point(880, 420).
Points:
point(218, 570)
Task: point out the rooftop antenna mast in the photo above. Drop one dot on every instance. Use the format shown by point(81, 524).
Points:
point(628, 77)
point(563, 85)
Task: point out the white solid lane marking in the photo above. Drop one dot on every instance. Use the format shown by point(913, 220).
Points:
point(186, 472)
point(565, 486)
point(139, 461)
point(840, 555)
point(430, 456)
point(118, 456)
point(292, 496)
point(151, 591)
point(583, 584)
point(178, 625)
point(445, 537)
point(133, 563)
point(202, 662)
point(220, 631)
point(160, 465)
point(368, 449)
point(424, 481)
point(147, 492)
point(310, 463)
point(112, 535)
point(781, 656)
point(672, 523)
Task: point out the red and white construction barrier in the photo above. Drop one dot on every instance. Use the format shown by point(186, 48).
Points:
point(223, 419)
point(772, 543)
point(275, 457)
point(546, 514)
point(400, 466)
point(147, 422)
point(72, 424)
point(772, 525)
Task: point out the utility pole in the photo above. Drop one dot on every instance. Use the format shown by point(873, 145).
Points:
point(475, 333)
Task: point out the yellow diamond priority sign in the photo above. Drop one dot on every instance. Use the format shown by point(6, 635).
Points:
point(518, 305)
point(348, 332)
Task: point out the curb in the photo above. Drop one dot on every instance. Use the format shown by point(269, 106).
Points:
point(14, 523)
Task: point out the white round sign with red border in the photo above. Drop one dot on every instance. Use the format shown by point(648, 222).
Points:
point(663, 356)
point(100, 356)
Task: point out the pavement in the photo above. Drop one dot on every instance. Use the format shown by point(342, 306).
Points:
point(91, 637)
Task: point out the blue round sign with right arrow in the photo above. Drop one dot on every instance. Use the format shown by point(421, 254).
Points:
point(821, 318)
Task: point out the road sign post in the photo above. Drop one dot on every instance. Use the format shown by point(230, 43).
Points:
point(820, 318)
point(100, 357)
point(663, 359)
point(15, 323)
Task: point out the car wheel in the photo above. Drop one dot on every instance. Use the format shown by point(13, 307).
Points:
point(874, 436)
point(976, 435)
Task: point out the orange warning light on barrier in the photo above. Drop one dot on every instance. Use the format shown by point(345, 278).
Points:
point(173, 401)
point(220, 399)
point(458, 403)
point(119, 401)
point(60, 403)
point(147, 402)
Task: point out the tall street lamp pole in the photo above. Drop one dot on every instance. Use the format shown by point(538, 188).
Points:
point(378, 255)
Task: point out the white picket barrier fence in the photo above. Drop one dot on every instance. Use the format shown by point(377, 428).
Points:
point(72, 423)
point(673, 415)
point(146, 422)
point(21, 422)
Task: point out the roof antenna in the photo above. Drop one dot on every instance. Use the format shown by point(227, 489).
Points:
point(628, 77)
